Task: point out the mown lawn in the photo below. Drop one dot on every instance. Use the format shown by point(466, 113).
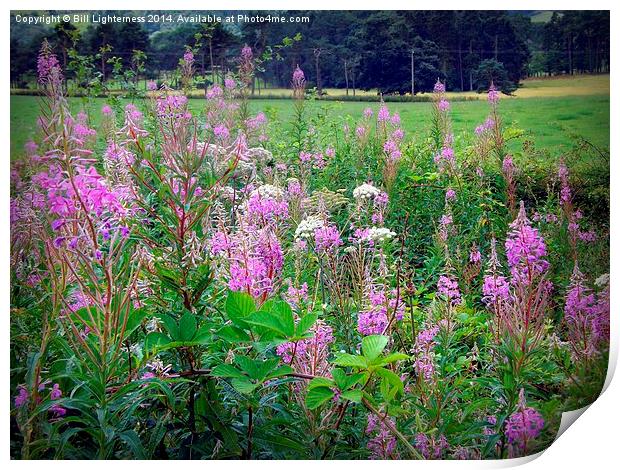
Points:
point(548, 117)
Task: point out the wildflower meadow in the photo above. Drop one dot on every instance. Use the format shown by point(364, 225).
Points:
point(212, 283)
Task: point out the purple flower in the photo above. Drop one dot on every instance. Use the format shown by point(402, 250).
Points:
point(327, 239)
point(382, 445)
point(229, 83)
point(448, 288)
point(22, 396)
point(439, 87)
point(525, 248)
point(384, 114)
point(475, 256)
point(221, 132)
point(522, 426)
point(493, 95)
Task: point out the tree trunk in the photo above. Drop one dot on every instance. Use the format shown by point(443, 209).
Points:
point(319, 88)
point(346, 76)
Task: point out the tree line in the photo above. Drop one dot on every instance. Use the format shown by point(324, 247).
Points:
point(391, 51)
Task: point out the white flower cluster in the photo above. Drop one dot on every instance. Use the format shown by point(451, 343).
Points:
point(269, 191)
point(380, 234)
point(602, 280)
point(365, 191)
point(306, 227)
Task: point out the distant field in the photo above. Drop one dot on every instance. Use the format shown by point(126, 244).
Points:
point(549, 110)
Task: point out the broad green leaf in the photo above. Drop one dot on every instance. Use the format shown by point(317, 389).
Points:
point(349, 360)
point(373, 346)
point(340, 378)
point(238, 306)
point(268, 320)
point(305, 323)
point(285, 314)
point(243, 385)
point(187, 327)
point(171, 326)
point(249, 366)
point(280, 372)
point(154, 340)
point(320, 382)
point(317, 396)
point(352, 395)
point(391, 378)
point(393, 358)
point(233, 334)
point(226, 370)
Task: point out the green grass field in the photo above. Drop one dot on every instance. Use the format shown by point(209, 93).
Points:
point(550, 111)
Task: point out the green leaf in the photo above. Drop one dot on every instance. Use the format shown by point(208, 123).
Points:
point(373, 345)
point(305, 323)
point(268, 320)
point(349, 360)
point(320, 382)
point(171, 326)
point(155, 339)
point(238, 306)
point(226, 370)
point(391, 378)
point(134, 320)
point(339, 377)
point(317, 396)
point(243, 385)
point(203, 335)
point(393, 358)
point(352, 395)
point(187, 327)
point(233, 334)
point(280, 372)
point(249, 366)
point(133, 441)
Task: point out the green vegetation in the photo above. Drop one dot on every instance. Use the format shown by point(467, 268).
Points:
point(549, 116)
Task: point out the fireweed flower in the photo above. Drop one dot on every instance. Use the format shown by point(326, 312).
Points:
point(450, 195)
point(525, 249)
point(221, 132)
point(448, 288)
point(524, 425)
point(586, 316)
point(230, 83)
point(423, 350)
point(493, 95)
point(309, 355)
point(474, 256)
point(495, 287)
point(327, 239)
point(445, 159)
point(382, 444)
point(22, 396)
point(296, 296)
point(374, 319)
point(384, 114)
point(431, 448)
